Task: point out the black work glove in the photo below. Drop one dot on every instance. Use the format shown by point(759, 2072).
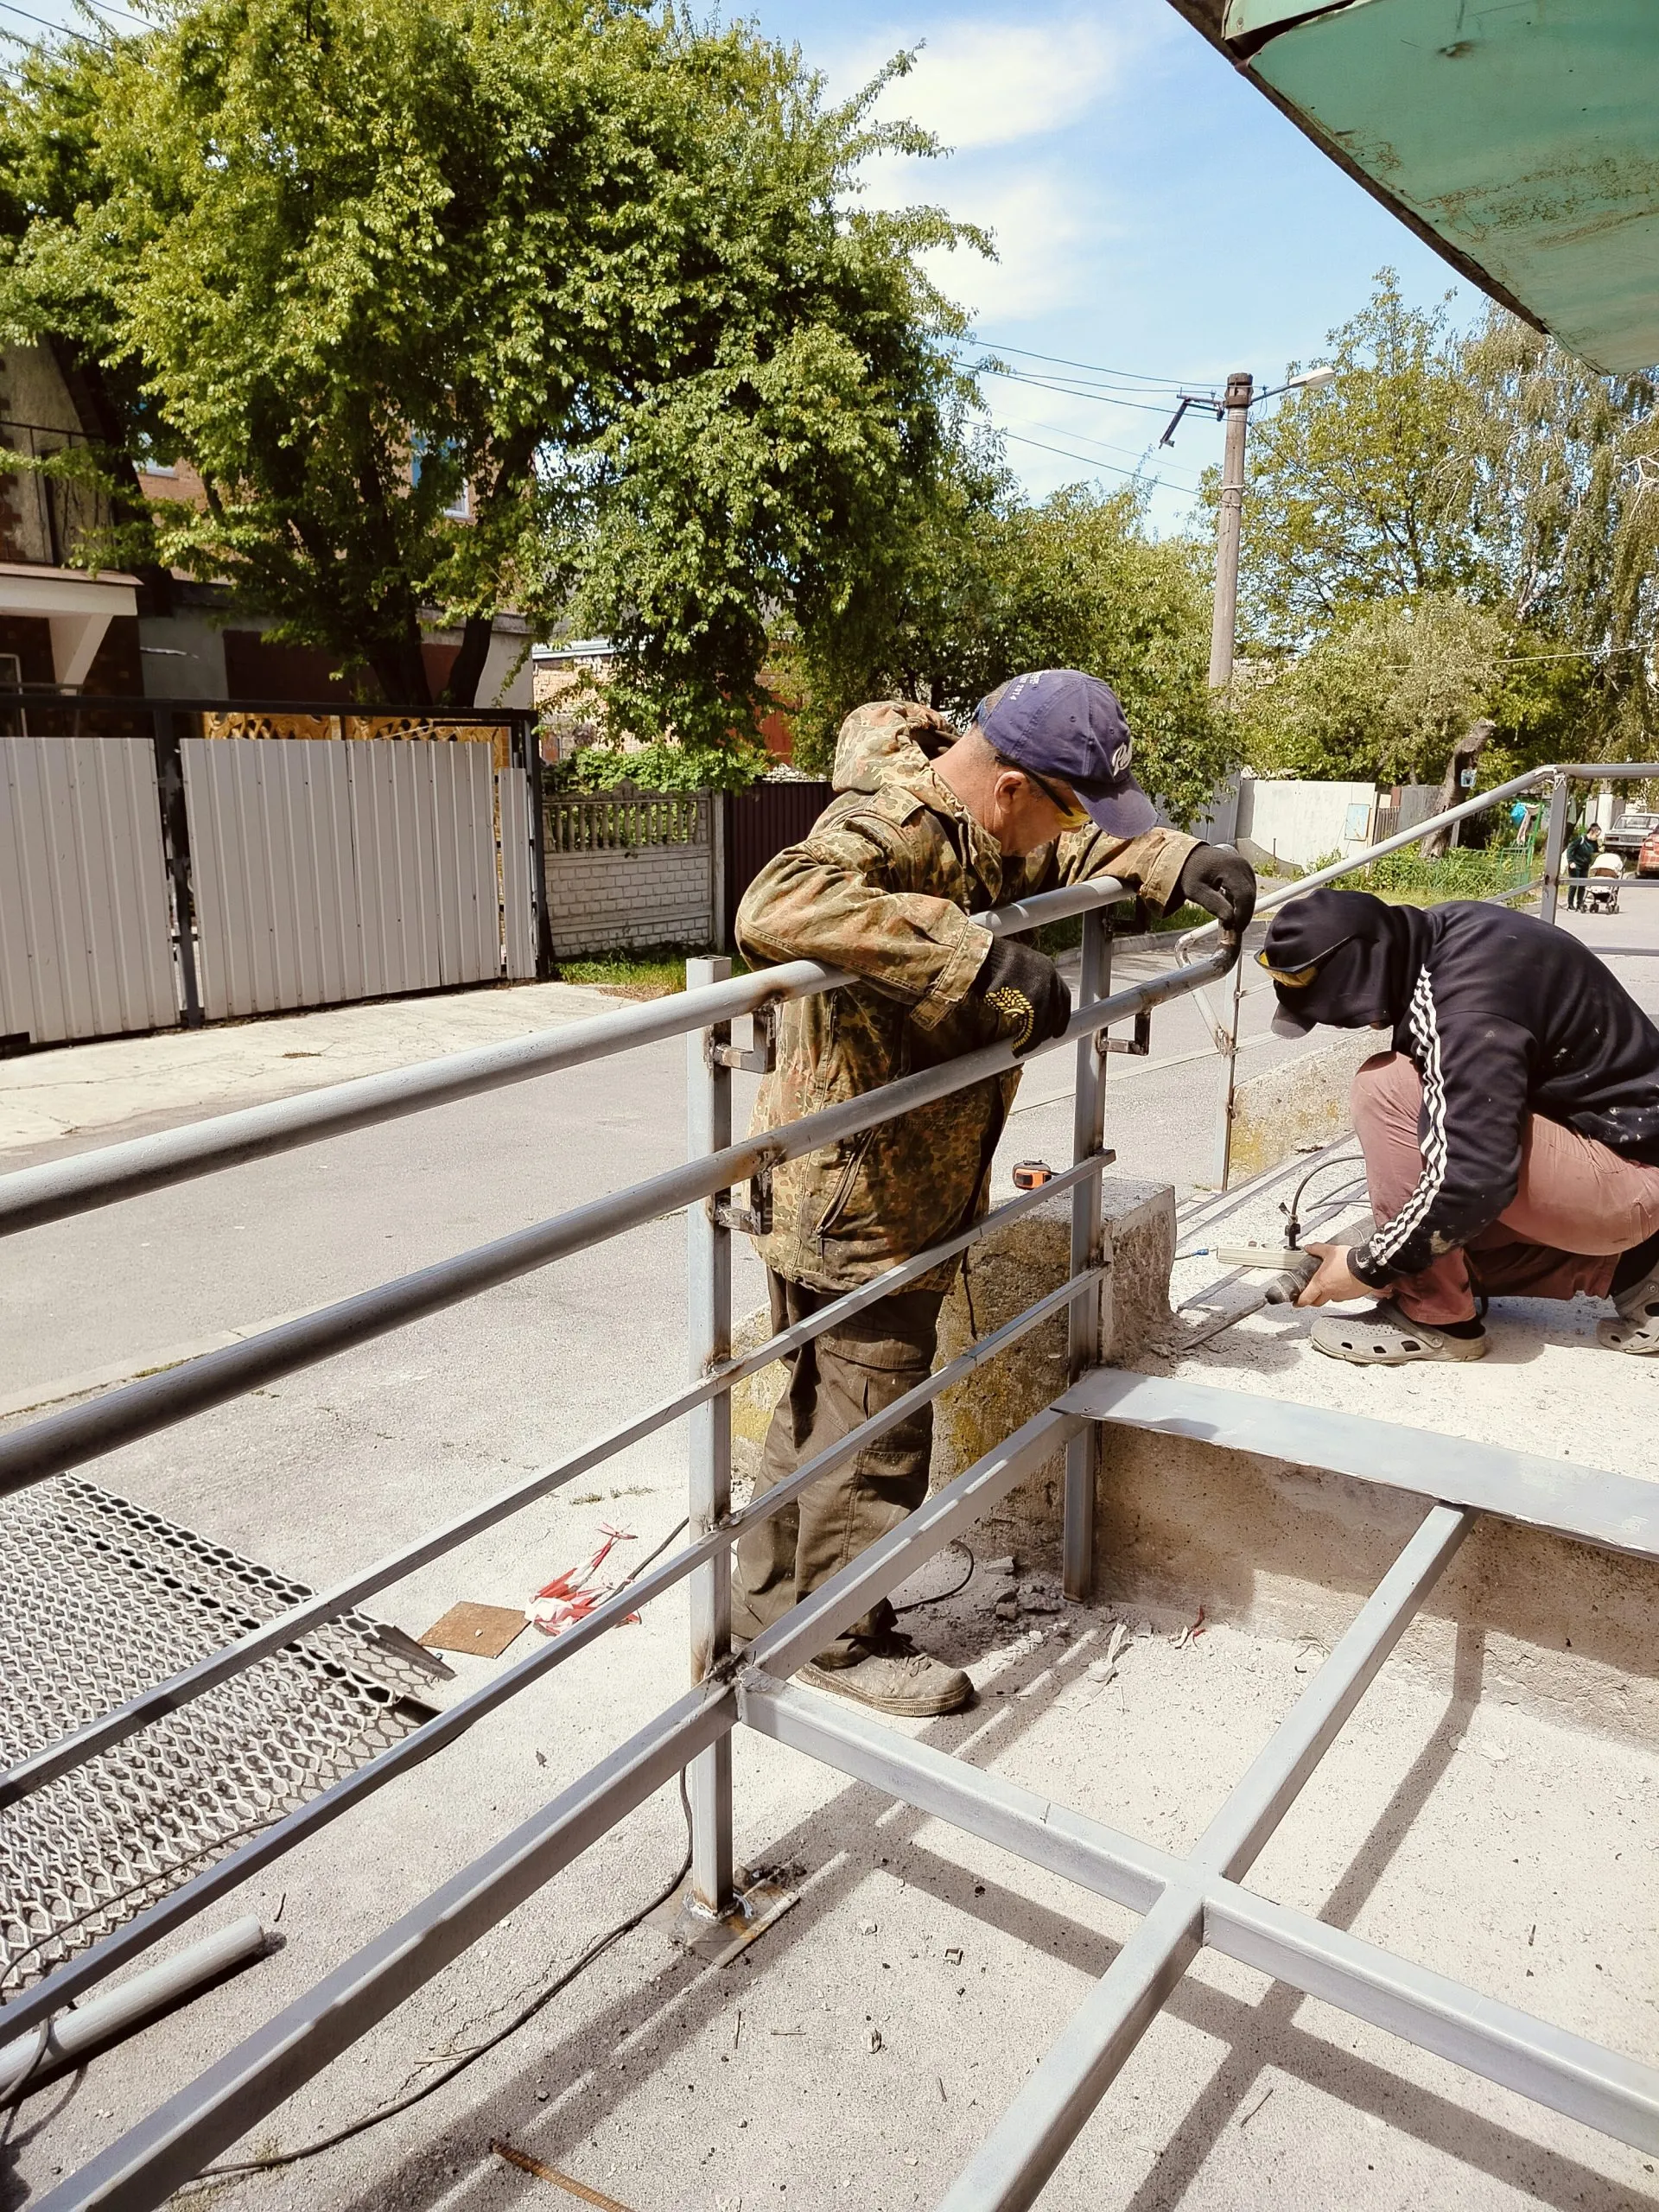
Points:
point(1220, 881)
point(1023, 990)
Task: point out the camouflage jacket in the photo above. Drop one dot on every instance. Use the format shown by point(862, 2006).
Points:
point(886, 884)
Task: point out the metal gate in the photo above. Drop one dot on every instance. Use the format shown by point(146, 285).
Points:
point(86, 931)
point(346, 868)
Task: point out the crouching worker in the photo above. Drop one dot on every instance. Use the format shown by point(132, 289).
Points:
point(928, 828)
point(1511, 1137)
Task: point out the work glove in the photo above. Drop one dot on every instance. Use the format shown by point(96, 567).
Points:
point(1024, 991)
point(1220, 881)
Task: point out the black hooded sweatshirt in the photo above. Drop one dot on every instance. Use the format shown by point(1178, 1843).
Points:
point(1503, 1016)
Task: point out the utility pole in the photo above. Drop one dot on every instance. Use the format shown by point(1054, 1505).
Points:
point(1240, 390)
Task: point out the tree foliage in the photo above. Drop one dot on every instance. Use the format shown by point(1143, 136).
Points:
point(993, 584)
point(586, 265)
point(1461, 525)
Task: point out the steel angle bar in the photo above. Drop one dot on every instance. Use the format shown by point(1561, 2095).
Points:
point(1254, 1809)
point(1618, 2096)
point(814, 1621)
point(1034, 1828)
point(1022, 2150)
point(33, 1195)
point(306, 1820)
point(1592, 1504)
point(121, 1416)
point(1605, 2090)
point(1011, 2167)
point(146, 2165)
point(180, 1689)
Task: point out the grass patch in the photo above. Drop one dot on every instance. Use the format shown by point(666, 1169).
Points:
point(1408, 880)
point(652, 972)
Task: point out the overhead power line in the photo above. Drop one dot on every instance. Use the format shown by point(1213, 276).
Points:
point(45, 24)
point(1086, 461)
point(1077, 391)
point(1093, 368)
point(1143, 458)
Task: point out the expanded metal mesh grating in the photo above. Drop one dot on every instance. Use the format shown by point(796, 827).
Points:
point(104, 1599)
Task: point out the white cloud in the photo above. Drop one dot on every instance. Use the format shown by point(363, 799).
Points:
point(1046, 233)
point(991, 84)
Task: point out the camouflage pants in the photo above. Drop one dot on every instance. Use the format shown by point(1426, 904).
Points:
point(837, 1380)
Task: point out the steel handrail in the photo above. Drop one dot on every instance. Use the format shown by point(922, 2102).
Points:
point(138, 1410)
point(191, 1682)
point(32, 1196)
point(66, 1983)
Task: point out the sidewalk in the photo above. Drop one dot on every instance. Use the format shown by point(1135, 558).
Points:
point(54, 1101)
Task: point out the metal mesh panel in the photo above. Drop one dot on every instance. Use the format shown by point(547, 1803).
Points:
point(103, 1600)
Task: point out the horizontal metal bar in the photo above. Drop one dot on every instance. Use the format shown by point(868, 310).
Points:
point(190, 1682)
point(31, 1196)
point(1568, 2072)
point(1037, 1829)
point(817, 1620)
point(142, 2168)
point(121, 1416)
point(262, 1850)
point(1400, 839)
point(1256, 1805)
point(1592, 1504)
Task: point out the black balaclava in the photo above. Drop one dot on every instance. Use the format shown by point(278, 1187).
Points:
point(1365, 954)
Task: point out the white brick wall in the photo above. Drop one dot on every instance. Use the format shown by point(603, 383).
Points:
point(639, 895)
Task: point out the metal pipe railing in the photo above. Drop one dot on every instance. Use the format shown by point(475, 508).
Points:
point(66, 1983)
point(138, 1410)
point(31, 1196)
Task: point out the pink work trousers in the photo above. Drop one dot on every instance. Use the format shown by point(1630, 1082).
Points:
point(1579, 1205)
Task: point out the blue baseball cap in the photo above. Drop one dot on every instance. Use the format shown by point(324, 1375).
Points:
point(1059, 722)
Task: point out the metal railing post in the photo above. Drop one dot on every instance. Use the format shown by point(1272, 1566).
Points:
point(708, 1329)
point(1083, 1321)
point(1554, 845)
point(1228, 1041)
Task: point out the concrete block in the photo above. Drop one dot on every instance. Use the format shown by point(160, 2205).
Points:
point(1013, 1266)
point(1302, 1104)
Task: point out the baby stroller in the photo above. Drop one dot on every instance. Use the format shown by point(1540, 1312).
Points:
point(1601, 889)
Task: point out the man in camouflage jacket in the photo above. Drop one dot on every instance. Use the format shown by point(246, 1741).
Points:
point(928, 828)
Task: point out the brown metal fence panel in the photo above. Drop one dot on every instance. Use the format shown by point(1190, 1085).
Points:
point(760, 824)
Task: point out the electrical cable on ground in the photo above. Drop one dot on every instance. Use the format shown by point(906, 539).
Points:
point(526, 2013)
point(956, 1589)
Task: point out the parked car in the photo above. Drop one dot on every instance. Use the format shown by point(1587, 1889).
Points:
point(1647, 860)
point(1630, 833)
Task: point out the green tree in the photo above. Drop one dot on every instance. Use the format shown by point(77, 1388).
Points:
point(1384, 694)
point(1361, 491)
point(994, 584)
point(586, 266)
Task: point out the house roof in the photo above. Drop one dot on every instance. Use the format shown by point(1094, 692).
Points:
point(1518, 139)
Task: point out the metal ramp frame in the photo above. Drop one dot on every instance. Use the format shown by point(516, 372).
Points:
point(1186, 1903)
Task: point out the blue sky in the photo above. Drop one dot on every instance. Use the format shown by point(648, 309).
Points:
point(1154, 217)
point(1153, 213)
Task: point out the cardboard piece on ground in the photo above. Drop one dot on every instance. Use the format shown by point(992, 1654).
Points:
point(484, 1631)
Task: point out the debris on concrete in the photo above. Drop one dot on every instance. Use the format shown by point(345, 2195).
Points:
point(526, 2164)
point(483, 1631)
point(571, 1596)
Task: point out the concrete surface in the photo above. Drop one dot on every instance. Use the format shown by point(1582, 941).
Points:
point(1497, 1844)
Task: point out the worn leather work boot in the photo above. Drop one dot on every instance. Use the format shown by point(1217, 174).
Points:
point(894, 1677)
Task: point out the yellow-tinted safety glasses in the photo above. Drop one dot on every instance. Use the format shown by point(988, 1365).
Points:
point(1072, 817)
point(1294, 979)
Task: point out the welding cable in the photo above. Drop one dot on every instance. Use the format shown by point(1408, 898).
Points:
point(956, 1589)
point(544, 1997)
point(1294, 1226)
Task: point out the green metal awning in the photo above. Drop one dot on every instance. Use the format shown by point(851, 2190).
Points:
point(1519, 137)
